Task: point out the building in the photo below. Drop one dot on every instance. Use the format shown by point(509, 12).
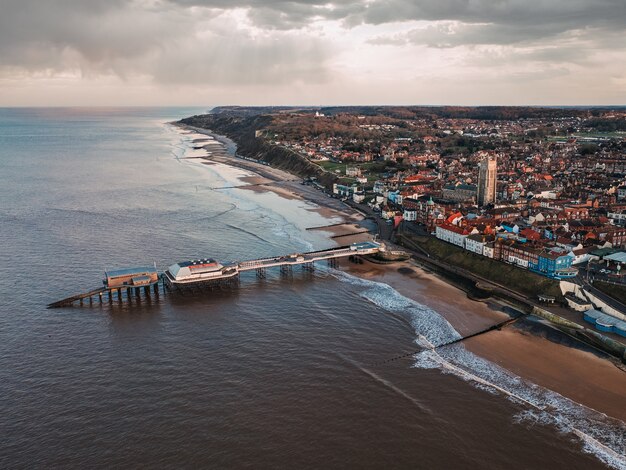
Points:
point(130, 277)
point(487, 170)
point(344, 191)
point(409, 215)
point(459, 192)
point(475, 243)
point(516, 253)
point(555, 265)
point(353, 171)
point(451, 234)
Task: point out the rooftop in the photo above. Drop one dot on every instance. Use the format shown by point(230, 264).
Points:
point(131, 271)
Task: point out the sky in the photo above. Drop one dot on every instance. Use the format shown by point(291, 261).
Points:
point(312, 52)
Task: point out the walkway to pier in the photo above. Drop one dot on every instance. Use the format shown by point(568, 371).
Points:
point(366, 248)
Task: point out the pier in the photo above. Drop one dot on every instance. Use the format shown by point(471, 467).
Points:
point(126, 284)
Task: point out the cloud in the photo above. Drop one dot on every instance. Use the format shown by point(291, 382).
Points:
point(165, 41)
point(304, 46)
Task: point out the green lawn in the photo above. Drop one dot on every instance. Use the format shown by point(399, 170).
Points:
point(332, 166)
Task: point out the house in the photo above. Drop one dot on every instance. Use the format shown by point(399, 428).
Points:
point(556, 265)
point(530, 234)
point(488, 249)
point(583, 255)
point(451, 234)
point(358, 197)
point(476, 243)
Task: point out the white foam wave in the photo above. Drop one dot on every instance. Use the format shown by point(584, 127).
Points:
point(431, 328)
point(600, 435)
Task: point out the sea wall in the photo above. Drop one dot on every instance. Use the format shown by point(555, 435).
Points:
point(592, 337)
point(584, 294)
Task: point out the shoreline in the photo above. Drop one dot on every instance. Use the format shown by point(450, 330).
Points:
point(567, 368)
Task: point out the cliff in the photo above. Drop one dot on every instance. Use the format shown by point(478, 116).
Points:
point(241, 128)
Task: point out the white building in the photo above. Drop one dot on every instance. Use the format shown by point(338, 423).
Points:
point(451, 234)
point(488, 250)
point(475, 244)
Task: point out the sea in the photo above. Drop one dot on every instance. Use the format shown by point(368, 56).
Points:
point(281, 372)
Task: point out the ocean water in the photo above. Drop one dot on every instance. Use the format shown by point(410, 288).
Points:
point(283, 372)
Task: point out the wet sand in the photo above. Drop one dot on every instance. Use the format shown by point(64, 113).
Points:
point(579, 375)
point(266, 178)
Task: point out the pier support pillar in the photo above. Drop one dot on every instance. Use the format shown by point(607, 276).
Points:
point(128, 296)
point(146, 290)
point(90, 300)
point(100, 296)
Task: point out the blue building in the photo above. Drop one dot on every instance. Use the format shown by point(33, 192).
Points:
point(554, 265)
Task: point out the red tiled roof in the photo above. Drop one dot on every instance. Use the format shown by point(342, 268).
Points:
point(454, 228)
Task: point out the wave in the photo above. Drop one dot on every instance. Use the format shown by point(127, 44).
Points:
point(600, 435)
point(431, 328)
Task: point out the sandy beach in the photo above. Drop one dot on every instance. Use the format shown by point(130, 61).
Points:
point(570, 369)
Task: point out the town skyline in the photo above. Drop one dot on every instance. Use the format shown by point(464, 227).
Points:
point(185, 52)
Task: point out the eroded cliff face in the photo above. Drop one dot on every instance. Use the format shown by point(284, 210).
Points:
point(242, 130)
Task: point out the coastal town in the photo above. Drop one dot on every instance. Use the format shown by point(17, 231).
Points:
point(542, 190)
point(544, 194)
